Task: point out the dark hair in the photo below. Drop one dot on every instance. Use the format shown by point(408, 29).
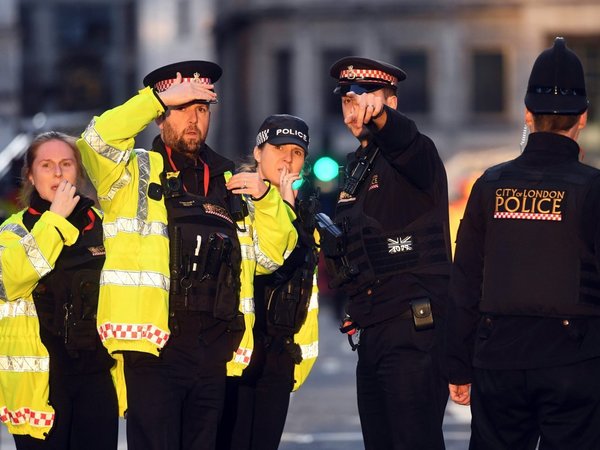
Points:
point(554, 123)
point(82, 183)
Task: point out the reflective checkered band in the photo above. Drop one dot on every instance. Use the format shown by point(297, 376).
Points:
point(35, 256)
point(24, 363)
point(262, 137)
point(134, 226)
point(247, 305)
point(93, 139)
point(366, 74)
point(243, 355)
point(527, 216)
point(19, 307)
point(25, 415)
point(310, 351)
point(163, 85)
point(130, 278)
point(133, 332)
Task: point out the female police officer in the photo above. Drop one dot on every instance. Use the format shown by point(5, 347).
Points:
point(286, 328)
point(56, 390)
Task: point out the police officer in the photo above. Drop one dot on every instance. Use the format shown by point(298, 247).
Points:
point(524, 331)
point(181, 253)
point(286, 329)
point(56, 388)
point(392, 258)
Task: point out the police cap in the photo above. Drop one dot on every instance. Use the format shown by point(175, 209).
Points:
point(205, 72)
point(280, 129)
point(361, 75)
point(557, 84)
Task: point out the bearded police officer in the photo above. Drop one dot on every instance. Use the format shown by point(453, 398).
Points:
point(524, 329)
point(181, 255)
point(389, 250)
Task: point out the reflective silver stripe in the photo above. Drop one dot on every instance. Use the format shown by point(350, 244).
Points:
point(117, 185)
point(143, 158)
point(247, 252)
point(91, 136)
point(15, 228)
point(247, 305)
point(132, 278)
point(263, 259)
point(37, 259)
point(314, 301)
point(19, 307)
point(310, 350)
point(136, 225)
point(2, 288)
point(26, 415)
point(24, 363)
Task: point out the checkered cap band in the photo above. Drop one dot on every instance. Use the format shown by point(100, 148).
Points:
point(163, 85)
point(262, 137)
point(357, 75)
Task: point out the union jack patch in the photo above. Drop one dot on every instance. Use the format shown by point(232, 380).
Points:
point(399, 244)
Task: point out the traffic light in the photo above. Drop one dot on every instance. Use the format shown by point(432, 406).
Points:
point(326, 168)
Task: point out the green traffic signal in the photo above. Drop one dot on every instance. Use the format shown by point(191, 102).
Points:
point(326, 168)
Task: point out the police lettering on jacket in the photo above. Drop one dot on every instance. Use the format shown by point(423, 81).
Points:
point(532, 204)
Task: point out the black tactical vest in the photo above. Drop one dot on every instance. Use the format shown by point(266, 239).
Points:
point(375, 253)
point(205, 257)
point(536, 262)
point(66, 299)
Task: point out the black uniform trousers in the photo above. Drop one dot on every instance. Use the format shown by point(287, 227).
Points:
point(402, 393)
point(559, 406)
point(87, 414)
point(175, 401)
point(258, 401)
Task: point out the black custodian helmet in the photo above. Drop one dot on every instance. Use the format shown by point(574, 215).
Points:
point(557, 84)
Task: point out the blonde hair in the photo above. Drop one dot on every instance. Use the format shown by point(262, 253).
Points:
point(83, 185)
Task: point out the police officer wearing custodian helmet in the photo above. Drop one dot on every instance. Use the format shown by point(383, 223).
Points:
point(390, 251)
point(524, 324)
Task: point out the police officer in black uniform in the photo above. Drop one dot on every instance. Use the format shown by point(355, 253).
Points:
point(389, 249)
point(524, 325)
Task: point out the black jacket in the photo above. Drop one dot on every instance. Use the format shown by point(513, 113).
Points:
point(520, 335)
point(407, 185)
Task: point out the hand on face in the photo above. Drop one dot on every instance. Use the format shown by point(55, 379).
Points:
point(65, 199)
point(249, 183)
point(286, 180)
point(180, 93)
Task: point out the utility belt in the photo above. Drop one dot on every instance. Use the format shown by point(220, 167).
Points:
point(420, 312)
point(280, 344)
point(75, 319)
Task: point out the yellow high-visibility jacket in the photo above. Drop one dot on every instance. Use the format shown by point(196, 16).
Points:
point(26, 257)
point(134, 286)
point(308, 335)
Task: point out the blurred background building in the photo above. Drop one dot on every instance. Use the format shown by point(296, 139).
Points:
point(467, 62)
